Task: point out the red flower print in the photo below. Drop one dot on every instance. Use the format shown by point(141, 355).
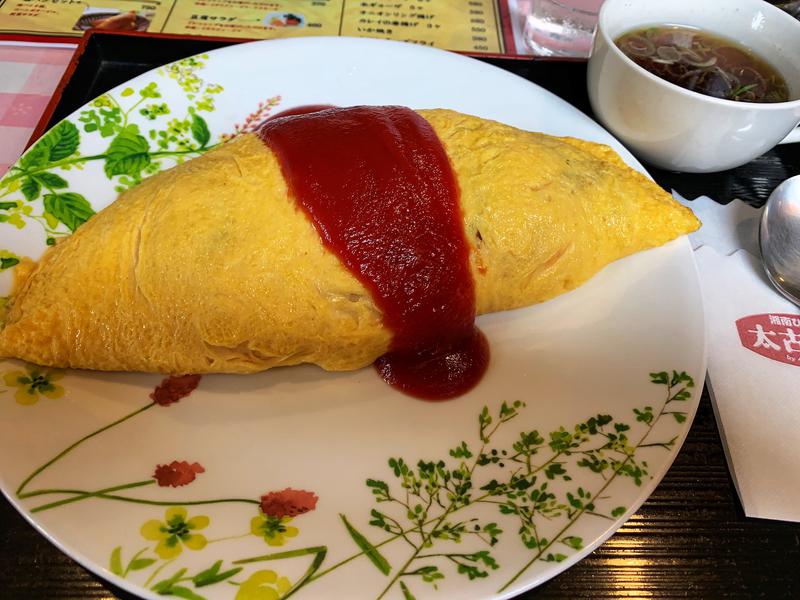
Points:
point(176, 474)
point(173, 388)
point(254, 120)
point(288, 503)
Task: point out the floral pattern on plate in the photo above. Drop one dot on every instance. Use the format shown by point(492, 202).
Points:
point(428, 503)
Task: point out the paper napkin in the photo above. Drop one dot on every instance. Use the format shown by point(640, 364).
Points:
point(753, 359)
point(754, 377)
point(726, 228)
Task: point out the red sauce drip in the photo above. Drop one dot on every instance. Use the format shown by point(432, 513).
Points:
point(380, 191)
point(437, 373)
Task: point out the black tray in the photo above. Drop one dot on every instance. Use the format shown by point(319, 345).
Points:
point(690, 539)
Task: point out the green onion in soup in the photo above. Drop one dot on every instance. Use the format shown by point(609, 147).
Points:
point(704, 63)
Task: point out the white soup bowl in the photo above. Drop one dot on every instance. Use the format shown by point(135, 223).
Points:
point(672, 127)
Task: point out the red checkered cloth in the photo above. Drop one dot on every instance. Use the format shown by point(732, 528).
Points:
point(29, 73)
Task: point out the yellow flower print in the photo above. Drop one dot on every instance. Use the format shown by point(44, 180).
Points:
point(263, 585)
point(14, 215)
point(32, 382)
point(175, 532)
point(272, 529)
point(103, 102)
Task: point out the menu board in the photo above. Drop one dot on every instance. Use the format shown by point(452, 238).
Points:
point(472, 26)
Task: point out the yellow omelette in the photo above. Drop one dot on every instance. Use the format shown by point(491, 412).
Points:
point(211, 267)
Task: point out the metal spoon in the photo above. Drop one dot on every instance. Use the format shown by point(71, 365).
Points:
point(779, 238)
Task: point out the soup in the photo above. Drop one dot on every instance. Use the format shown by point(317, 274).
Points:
point(704, 63)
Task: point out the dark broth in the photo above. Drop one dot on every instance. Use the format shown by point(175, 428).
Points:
point(704, 63)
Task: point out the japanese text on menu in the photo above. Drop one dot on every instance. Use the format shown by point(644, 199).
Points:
point(461, 25)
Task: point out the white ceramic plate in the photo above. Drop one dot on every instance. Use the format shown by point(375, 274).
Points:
point(580, 430)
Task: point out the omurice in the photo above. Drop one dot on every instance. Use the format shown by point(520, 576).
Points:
point(335, 238)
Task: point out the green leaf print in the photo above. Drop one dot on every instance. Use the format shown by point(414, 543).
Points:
point(130, 121)
point(50, 180)
point(212, 575)
point(407, 595)
point(59, 143)
point(6, 262)
point(62, 141)
point(30, 188)
point(661, 377)
point(35, 157)
point(150, 91)
point(70, 208)
point(128, 154)
point(105, 121)
point(115, 563)
point(141, 563)
point(181, 592)
point(165, 584)
point(369, 550)
point(200, 130)
point(573, 542)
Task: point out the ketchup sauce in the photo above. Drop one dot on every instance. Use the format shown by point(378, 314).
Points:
point(300, 110)
point(378, 187)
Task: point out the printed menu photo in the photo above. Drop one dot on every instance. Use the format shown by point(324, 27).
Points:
point(71, 17)
point(472, 26)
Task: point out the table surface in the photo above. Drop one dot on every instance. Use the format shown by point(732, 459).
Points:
point(30, 74)
point(690, 539)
